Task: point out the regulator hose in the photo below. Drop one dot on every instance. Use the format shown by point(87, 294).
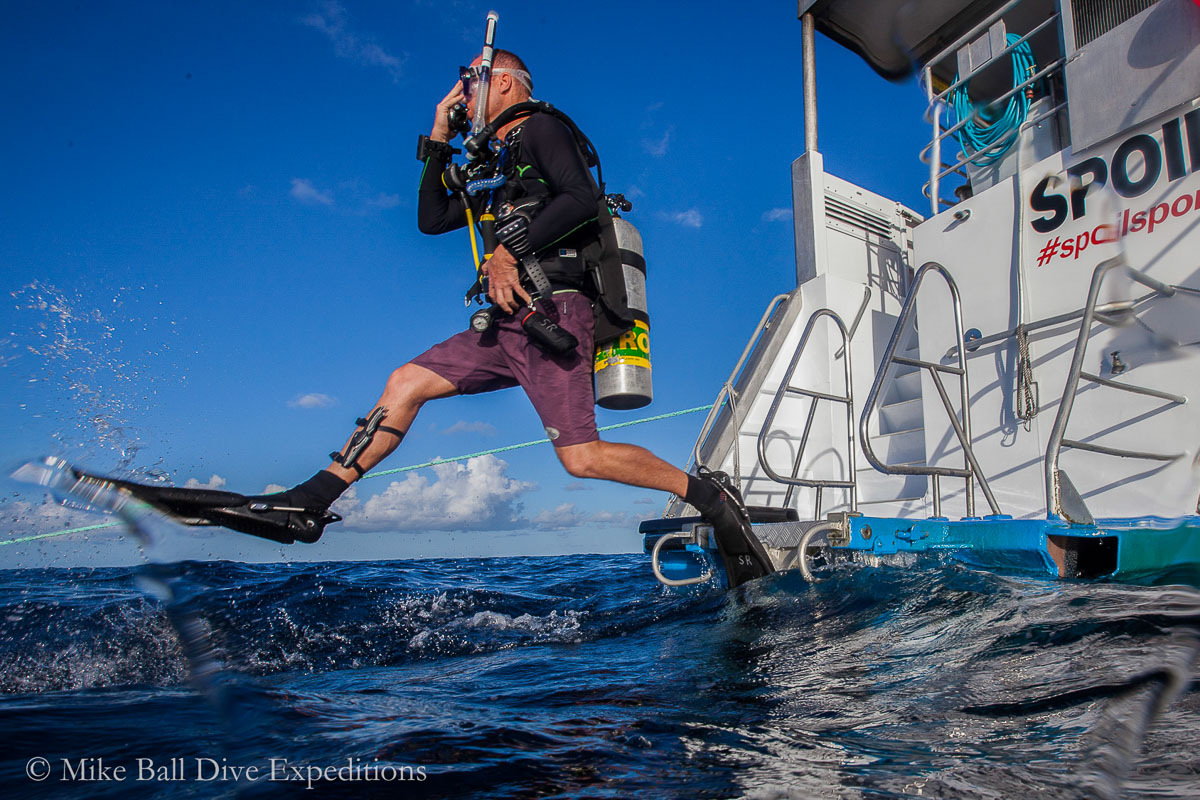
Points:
point(984, 126)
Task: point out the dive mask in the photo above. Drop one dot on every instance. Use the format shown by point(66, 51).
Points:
point(470, 78)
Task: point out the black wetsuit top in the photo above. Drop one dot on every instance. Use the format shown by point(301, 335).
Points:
point(548, 164)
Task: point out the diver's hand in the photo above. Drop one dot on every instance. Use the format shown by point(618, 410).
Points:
point(441, 120)
point(504, 281)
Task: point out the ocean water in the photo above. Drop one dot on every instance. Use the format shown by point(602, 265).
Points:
point(579, 677)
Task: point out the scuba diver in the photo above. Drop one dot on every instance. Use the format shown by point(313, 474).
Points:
point(546, 216)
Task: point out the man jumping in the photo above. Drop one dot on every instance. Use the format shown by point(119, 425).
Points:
point(548, 180)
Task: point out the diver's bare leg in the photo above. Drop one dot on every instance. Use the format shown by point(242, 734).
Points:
point(744, 556)
point(623, 463)
point(408, 388)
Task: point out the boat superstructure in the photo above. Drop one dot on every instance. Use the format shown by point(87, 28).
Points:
point(1013, 373)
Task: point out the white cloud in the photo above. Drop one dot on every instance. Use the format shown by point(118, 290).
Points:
point(215, 482)
point(613, 519)
point(658, 147)
point(777, 215)
point(477, 495)
point(462, 426)
point(311, 400)
point(561, 518)
point(578, 486)
point(304, 191)
point(691, 218)
point(567, 516)
point(353, 196)
point(331, 19)
point(383, 200)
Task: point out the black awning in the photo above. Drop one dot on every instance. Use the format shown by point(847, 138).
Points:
point(896, 36)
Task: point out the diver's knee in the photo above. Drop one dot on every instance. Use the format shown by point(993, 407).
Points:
point(412, 385)
point(403, 387)
point(579, 460)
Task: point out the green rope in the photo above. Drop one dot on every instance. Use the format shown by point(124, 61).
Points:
point(61, 533)
point(506, 448)
point(382, 473)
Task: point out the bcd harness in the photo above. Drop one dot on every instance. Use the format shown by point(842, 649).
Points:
point(492, 169)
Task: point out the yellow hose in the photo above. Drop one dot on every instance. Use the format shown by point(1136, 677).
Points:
point(474, 245)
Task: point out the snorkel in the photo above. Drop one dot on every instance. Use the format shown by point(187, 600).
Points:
point(485, 73)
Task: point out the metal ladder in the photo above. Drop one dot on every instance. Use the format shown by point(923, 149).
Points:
point(970, 471)
point(847, 399)
point(1062, 499)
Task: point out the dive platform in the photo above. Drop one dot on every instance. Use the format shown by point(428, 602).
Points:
point(1150, 549)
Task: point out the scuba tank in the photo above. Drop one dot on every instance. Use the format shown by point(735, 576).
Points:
point(622, 365)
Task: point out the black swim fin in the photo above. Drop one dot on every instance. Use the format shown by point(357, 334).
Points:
point(744, 556)
point(257, 516)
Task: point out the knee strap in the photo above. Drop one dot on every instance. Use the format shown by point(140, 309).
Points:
point(362, 439)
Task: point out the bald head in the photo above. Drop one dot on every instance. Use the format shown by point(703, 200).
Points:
point(505, 59)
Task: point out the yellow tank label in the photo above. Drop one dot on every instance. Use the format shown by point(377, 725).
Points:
point(631, 347)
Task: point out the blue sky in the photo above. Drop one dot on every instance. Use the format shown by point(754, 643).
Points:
point(211, 260)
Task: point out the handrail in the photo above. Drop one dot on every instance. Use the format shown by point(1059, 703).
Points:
point(956, 127)
point(862, 309)
point(931, 187)
point(727, 391)
point(1049, 322)
point(803, 546)
point(945, 93)
point(936, 100)
point(971, 469)
point(967, 159)
point(1178, 399)
point(785, 388)
point(663, 579)
point(1054, 489)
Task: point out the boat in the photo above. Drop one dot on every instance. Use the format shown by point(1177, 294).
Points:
point(1026, 349)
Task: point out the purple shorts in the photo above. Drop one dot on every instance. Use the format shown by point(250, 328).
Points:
point(560, 387)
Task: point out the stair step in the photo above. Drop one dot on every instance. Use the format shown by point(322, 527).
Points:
point(903, 387)
point(900, 447)
point(905, 415)
point(876, 487)
point(881, 501)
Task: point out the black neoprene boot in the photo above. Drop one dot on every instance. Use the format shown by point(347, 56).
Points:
point(304, 509)
point(718, 500)
point(317, 493)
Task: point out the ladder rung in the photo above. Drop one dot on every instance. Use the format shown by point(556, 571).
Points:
point(813, 483)
point(1126, 387)
point(882, 500)
point(819, 395)
point(916, 362)
point(1116, 451)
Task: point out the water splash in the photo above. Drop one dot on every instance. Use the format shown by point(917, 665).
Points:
point(79, 375)
point(159, 577)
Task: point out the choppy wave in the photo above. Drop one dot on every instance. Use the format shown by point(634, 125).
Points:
point(92, 628)
point(576, 676)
